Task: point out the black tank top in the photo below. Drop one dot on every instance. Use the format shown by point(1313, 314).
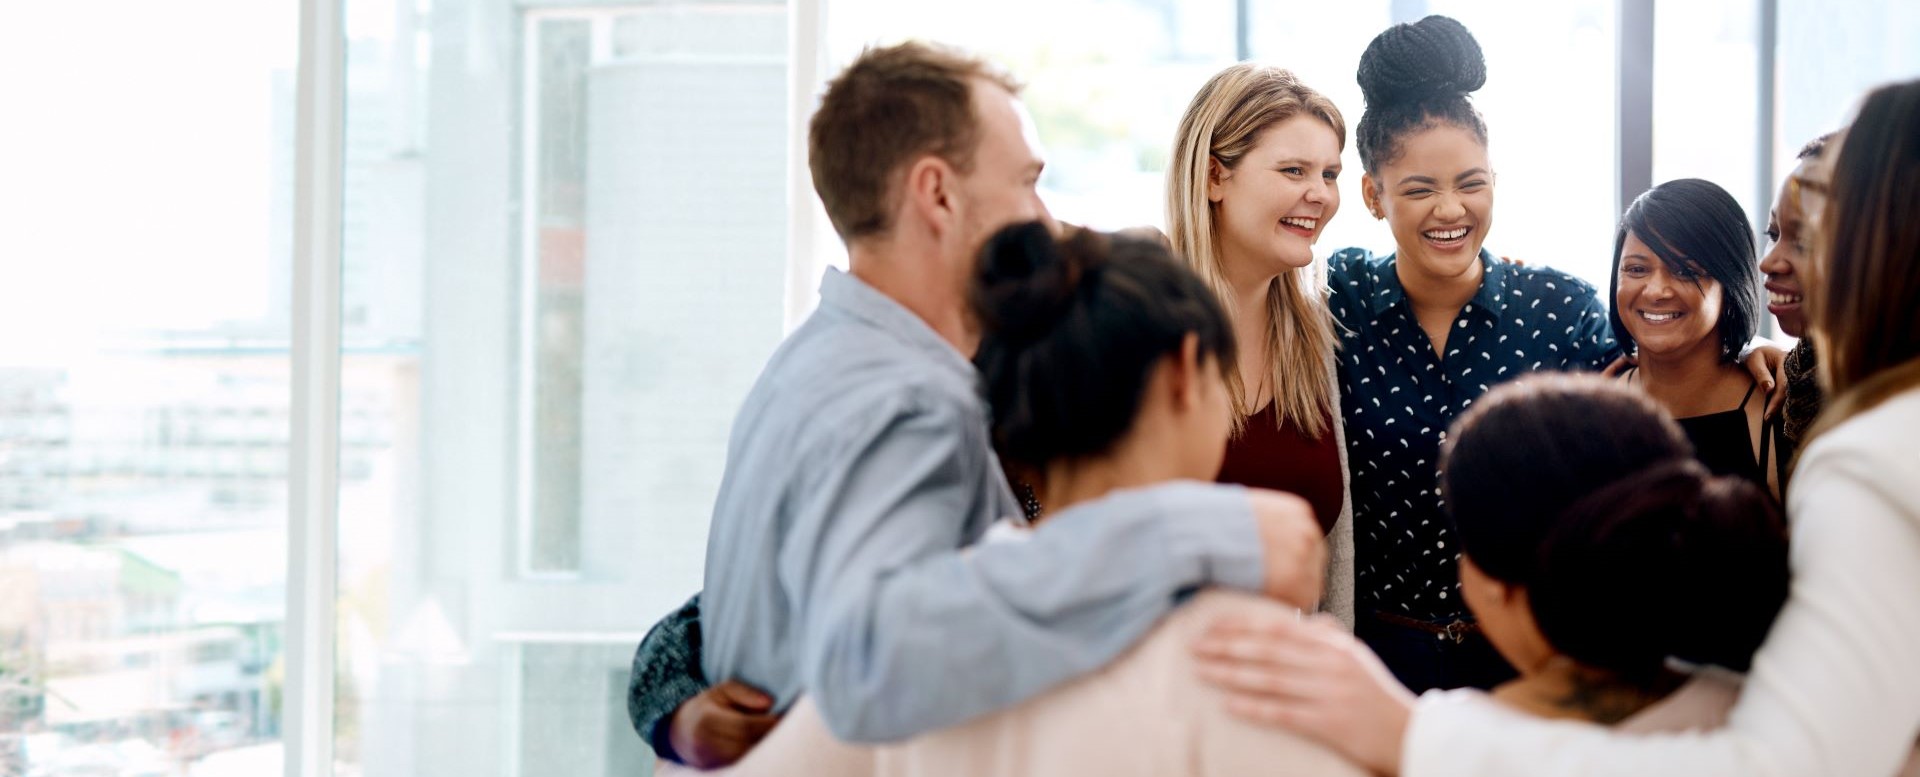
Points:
point(1722, 443)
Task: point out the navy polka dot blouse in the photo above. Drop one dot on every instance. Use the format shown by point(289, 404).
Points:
point(1398, 396)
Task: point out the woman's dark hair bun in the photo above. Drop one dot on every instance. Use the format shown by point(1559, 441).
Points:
point(1071, 330)
point(1412, 62)
point(1671, 562)
point(1026, 282)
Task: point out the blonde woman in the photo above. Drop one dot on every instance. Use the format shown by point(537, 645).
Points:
point(1252, 183)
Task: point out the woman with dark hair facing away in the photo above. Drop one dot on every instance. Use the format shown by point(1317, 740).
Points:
point(1686, 297)
point(1834, 688)
point(1594, 549)
point(1105, 363)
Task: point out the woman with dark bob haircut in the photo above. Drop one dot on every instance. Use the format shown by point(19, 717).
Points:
point(1686, 297)
point(1834, 689)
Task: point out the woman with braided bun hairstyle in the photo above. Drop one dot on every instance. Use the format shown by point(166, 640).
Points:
point(1425, 331)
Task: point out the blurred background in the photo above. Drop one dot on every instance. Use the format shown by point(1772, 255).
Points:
point(570, 236)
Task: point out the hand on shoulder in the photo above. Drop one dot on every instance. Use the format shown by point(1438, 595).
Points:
point(1294, 551)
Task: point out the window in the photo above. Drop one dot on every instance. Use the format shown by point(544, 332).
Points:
point(569, 270)
point(1706, 98)
point(146, 261)
point(1829, 55)
point(565, 259)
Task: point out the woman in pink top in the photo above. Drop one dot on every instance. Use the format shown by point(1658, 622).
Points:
point(1105, 362)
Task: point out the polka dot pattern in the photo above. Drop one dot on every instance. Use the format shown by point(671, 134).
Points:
point(1398, 396)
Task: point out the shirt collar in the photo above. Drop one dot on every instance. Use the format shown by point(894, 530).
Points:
point(1388, 292)
point(867, 305)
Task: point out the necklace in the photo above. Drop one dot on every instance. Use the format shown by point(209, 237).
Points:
point(1029, 503)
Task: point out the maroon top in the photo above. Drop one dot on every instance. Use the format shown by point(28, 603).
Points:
point(1286, 459)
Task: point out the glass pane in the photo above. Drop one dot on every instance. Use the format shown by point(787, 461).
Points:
point(1549, 104)
point(588, 282)
point(1105, 104)
point(1819, 88)
point(144, 392)
point(1706, 100)
point(563, 51)
point(573, 691)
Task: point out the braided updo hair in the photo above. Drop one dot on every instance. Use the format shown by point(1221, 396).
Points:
point(1415, 76)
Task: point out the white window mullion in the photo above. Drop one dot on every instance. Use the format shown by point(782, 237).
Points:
point(806, 60)
point(313, 488)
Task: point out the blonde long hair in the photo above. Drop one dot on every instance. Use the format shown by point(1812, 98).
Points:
point(1223, 123)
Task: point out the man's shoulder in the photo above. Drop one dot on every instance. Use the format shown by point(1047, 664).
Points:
point(829, 363)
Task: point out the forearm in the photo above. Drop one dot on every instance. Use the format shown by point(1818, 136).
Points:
point(930, 644)
point(1834, 690)
point(666, 673)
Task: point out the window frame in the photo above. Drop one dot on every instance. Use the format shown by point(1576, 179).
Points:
point(315, 422)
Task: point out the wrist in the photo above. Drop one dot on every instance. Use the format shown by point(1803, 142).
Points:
point(670, 743)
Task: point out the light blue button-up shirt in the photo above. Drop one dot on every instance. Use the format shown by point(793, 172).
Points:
point(857, 472)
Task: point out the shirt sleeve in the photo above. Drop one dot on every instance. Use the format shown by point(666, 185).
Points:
point(1835, 689)
point(903, 632)
point(666, 673)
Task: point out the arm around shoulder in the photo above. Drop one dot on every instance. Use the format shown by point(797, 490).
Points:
point(904, 633)
point(1833, 691)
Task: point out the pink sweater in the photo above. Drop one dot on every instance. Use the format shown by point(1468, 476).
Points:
point(1146, 714)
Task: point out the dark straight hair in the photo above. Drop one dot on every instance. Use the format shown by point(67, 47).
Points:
point(1696, 228)
point(1071, 332)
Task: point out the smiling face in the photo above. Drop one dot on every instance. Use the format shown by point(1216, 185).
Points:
point(1271, 208)
point(1665, 311)
point(1437, 197)
point(1785, 263)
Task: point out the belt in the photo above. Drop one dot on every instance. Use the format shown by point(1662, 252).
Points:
point(1456, 631)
